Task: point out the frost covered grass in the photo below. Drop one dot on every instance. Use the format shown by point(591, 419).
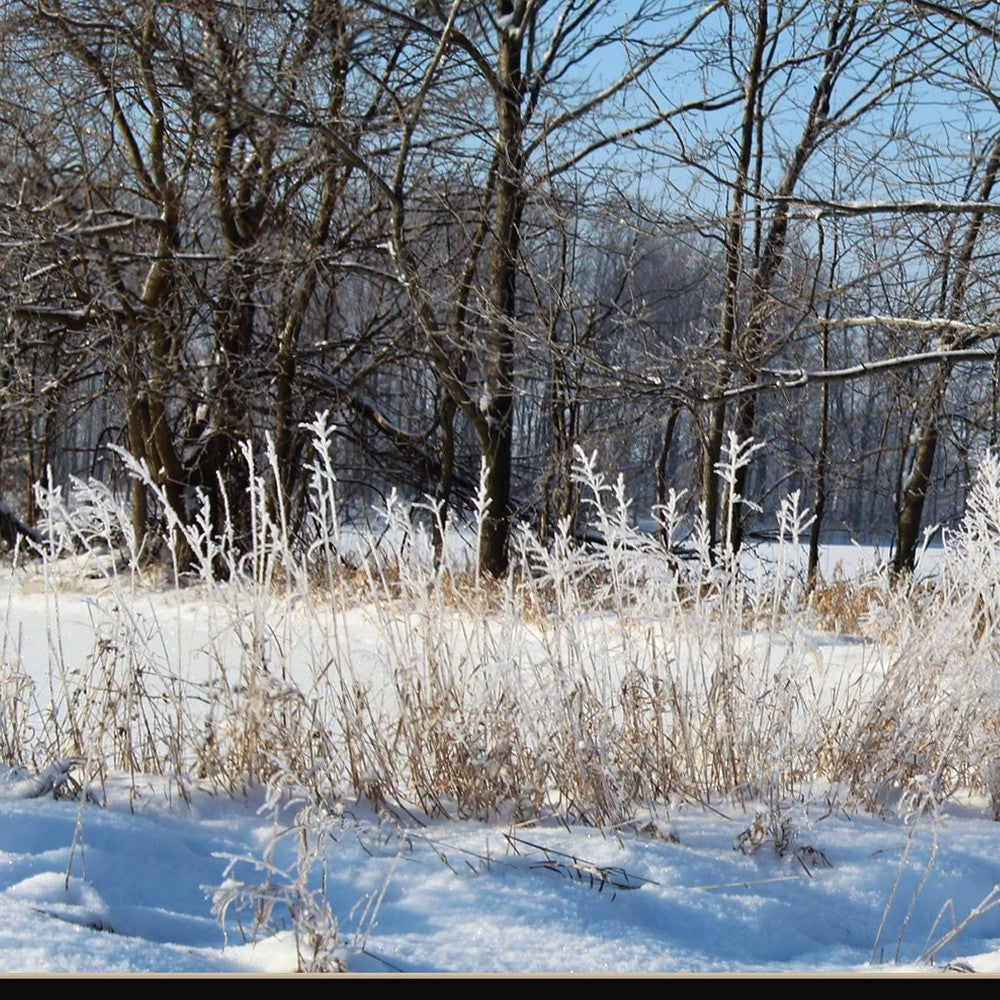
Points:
point(598, 684)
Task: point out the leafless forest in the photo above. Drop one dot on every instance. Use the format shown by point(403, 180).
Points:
point(480, 235)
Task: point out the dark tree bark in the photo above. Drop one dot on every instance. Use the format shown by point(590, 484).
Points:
point(914, 488)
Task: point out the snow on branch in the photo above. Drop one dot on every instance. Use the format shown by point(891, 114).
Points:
point(821, 208)
point(772, 379)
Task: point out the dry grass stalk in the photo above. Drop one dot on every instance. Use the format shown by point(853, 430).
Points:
point(594, 683)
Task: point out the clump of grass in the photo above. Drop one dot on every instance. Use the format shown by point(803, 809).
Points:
point(595, 683)
point(290, 895)
point(844, 604)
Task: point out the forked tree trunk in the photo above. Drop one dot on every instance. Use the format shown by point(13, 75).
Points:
point(715, 431)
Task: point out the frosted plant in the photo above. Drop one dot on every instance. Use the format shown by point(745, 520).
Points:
point(970, 568)
point(737, 456)
point(322, 523)
point(295, 892)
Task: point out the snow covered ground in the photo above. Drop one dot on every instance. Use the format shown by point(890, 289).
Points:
point(128, 889)
point(136, 878)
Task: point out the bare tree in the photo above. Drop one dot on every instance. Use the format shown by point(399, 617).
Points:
point(519, 54)
point(198, 221)
point(849, 71)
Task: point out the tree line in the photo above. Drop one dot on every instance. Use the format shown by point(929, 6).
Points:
point(481, 235)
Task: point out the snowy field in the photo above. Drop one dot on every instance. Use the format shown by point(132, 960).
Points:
point(639, 867)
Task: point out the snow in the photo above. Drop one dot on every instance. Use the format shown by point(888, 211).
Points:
point(130, 876)
point(127, 889)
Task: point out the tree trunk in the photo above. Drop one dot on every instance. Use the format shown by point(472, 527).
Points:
point(446, 473)
point(914, 492)
point(496, 438)
point(666, 439)
point(714, 433)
